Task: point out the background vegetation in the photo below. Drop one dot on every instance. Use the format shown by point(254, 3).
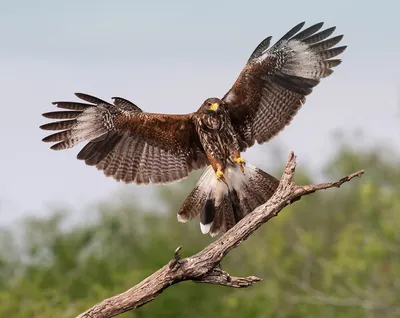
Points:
point(332, 254)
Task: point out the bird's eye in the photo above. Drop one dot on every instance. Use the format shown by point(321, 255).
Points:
point(208, 104)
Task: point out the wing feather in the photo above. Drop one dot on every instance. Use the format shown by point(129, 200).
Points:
point(308, 32)
point(127, 143)
point(274, 84)
point(317, 37)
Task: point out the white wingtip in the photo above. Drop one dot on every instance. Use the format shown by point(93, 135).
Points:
point(205, 228)
point(214, 234)
point(181, 218)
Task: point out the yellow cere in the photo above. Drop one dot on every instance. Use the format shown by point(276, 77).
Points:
point(214, 107)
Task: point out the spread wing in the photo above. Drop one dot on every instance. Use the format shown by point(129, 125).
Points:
point(127, 143)
point(275, 81)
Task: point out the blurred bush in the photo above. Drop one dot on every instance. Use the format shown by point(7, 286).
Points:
point(333, 254)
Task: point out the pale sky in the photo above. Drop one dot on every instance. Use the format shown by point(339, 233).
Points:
point(168, 56)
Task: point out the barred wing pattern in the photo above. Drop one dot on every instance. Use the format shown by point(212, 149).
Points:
point(274, 84)
point(127, 143)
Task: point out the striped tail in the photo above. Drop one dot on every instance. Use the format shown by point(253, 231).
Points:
point(221, 206)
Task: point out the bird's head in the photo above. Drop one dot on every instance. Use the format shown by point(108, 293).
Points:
point(212, 106)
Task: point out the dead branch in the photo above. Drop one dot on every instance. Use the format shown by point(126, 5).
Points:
point(204, 266)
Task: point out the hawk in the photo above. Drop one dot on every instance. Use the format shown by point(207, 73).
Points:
point(135, 146)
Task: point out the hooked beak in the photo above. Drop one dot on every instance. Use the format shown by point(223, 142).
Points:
point(214, 107)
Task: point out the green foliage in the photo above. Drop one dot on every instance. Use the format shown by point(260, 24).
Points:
point(333, 254)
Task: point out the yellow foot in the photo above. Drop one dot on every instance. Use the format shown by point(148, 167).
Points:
point(220, 176)
point(240, 161)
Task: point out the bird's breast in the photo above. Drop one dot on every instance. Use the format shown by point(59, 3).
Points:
point(213, 123)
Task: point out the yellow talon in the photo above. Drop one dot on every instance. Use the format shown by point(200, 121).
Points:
point(240, 161)
point(219, 174)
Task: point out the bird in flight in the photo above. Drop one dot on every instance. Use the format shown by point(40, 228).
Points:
point(136, 146)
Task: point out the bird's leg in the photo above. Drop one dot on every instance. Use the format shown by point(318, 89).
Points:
point(239, 160)
point(218, 168)
point(220, 174)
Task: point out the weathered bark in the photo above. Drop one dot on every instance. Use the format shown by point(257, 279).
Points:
point(203, 267)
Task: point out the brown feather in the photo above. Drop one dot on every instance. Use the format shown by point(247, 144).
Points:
point(91, 99)
point(272, 87)
point(319, 36)
point(309, 31)
point(59, 125)
point(128, 144)
point(327, 44)
point(72, 105)
point(62, 135)
point(62, 114)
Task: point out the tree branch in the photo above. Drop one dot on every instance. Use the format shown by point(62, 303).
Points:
point(204, 266)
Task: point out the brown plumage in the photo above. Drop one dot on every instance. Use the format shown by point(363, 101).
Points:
point(136, 146)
